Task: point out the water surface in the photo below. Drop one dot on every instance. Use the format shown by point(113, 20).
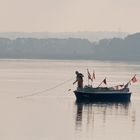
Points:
point(46, 110)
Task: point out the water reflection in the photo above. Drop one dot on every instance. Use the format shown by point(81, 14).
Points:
point(88, 114)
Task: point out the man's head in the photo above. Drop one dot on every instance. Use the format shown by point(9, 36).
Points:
point(76, 72)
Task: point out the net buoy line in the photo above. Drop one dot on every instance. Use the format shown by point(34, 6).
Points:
point(48, 89)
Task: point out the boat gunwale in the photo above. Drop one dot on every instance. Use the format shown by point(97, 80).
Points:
point(103, 92)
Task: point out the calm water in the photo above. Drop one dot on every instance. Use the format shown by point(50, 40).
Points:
point(46, 110)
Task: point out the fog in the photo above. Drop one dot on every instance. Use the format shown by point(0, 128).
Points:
point(69, 15)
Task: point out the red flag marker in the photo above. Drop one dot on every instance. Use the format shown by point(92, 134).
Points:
point(104, 81)
point(134, 80)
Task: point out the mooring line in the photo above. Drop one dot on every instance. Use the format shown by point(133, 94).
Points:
point(48, 89)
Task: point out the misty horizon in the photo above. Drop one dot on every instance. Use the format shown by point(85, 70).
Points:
point(124, 49)
point(91, 36)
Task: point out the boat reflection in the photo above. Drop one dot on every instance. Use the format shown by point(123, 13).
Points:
point(88, 114)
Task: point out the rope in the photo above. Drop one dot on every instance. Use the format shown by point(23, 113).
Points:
point(48, 89)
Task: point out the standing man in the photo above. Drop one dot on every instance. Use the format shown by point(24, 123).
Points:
point(79, 79)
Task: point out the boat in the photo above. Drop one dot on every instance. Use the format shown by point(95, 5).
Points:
point(119, 93)
point(90, 93)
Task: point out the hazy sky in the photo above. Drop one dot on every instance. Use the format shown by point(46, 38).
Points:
point(69, 15)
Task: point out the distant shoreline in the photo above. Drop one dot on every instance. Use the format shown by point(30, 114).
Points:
point(115, 49)
point(26, 59)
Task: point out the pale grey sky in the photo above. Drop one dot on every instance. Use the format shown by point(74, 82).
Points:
point(69, 15)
